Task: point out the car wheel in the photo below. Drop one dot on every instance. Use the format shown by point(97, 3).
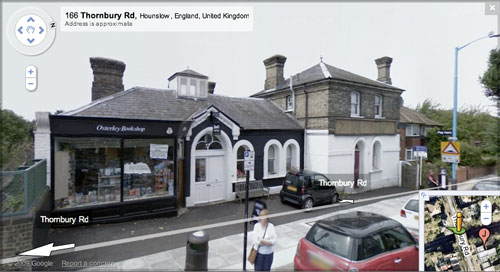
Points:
point(335, 198)
point(308, 204)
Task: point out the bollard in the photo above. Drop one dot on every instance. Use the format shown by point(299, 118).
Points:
point(197, 251)
point(443, 178)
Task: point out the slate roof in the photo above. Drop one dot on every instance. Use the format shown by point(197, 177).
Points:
point(410, 116)
point(160, 104)
point(317, 73)
point(190, 73)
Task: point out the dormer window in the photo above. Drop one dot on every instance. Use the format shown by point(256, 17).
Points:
point(189, 83)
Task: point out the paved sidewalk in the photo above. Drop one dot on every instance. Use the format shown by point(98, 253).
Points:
point(227, 253)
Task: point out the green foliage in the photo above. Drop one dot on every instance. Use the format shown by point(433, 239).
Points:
point(491, 77)
point(16, 134)
point(477, 131)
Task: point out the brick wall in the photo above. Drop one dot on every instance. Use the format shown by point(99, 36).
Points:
point(327, 101)
point(23, 232)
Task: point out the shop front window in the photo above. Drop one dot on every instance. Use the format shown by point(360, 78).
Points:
point(87, 171)
point(148, 168)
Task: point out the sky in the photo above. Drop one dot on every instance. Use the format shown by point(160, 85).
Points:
point(420, 37)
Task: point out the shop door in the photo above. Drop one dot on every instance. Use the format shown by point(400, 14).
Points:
point(215, 179)
point(209, 181)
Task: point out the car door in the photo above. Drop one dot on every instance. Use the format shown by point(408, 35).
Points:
point(404, 254)
point(318, 190)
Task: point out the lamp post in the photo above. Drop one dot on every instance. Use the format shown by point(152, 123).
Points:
point(455, 89)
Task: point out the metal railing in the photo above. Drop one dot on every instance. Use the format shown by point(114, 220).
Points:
point(20, 189)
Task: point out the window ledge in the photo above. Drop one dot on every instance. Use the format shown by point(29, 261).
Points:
point(288, 110)
point(376, 171)
point(379, 117)
point(357, 116)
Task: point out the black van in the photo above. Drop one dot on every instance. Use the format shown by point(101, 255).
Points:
point(304, 188)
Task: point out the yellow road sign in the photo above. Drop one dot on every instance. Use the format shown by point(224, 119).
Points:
point(450, 152)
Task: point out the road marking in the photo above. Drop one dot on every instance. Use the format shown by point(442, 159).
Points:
point(197, 228)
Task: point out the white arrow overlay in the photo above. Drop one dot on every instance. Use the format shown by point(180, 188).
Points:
point(347, 201)
point(46, 250)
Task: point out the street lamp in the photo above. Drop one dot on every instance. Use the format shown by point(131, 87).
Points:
point(455, 87)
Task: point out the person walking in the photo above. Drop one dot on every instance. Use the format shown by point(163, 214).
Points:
point(264, 239)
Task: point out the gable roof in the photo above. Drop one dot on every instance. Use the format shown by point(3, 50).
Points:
point(164, 105)
point(189, 73)
point(324, 71)
point(410, 116)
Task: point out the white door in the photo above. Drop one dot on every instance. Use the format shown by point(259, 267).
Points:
point(215, 179)
point(209, 179)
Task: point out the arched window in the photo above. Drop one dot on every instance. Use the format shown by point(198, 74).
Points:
point(291, 157)
point(272, 155)
point(240, 162)
point(209, 143)
point(376, 156)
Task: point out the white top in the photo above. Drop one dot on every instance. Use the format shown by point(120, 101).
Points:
point(258, 233)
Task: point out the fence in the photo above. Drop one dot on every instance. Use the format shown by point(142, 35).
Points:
point(21, 188)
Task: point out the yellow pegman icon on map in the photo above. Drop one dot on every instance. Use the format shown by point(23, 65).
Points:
point(459, 222)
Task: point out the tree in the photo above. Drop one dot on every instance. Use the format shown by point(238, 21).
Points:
point(16, 144)
point(491, 77)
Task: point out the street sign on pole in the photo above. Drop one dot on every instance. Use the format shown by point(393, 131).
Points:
point(420, 151)
point(450, 152)
point(249, 161)
point(444, 132)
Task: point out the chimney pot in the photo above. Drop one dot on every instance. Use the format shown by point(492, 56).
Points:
point(274, 71)
point(384, 69)
point(211, 87)
point(108, 77)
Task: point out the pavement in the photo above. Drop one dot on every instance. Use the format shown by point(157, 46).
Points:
point(160, 243)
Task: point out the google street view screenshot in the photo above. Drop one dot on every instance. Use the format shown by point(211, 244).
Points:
point(250, 136)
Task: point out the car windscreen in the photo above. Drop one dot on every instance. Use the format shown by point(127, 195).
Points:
point(412, 205)
point(331, 241)
point(295, 180)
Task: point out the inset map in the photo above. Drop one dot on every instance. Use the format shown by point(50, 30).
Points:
point(461, 233)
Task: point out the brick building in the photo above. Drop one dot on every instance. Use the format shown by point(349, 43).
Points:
point(413, 128)
point(351, 121)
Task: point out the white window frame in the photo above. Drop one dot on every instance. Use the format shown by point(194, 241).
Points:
point(411, 154)
point(411, 128)
point(273, 158)
point(240, 160)
point(358, 102)
point(198, 89)
point(379, 105)
point(376, 155)
point(234, 170)
point(289, 103)
point(279, 158)
point(295, 154)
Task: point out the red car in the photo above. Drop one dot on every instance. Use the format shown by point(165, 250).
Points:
point(357, 241)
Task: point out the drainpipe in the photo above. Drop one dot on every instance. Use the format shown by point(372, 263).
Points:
point(305, 130)
point(307, 106)
point(293, 94)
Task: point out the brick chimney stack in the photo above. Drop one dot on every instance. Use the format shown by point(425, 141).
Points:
point(384, 69)
point(274, 71)
point(108, 77)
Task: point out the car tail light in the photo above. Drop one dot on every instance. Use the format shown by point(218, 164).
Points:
point(303, 191)
point(403, 213)
point(298, 248)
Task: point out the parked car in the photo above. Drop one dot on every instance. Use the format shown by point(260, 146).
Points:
point(357, 241)
point(305, 189)
point(410, 216)
point(487, 185)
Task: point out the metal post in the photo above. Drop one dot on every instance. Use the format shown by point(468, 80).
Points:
point(455, 90)
point(247, 184)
